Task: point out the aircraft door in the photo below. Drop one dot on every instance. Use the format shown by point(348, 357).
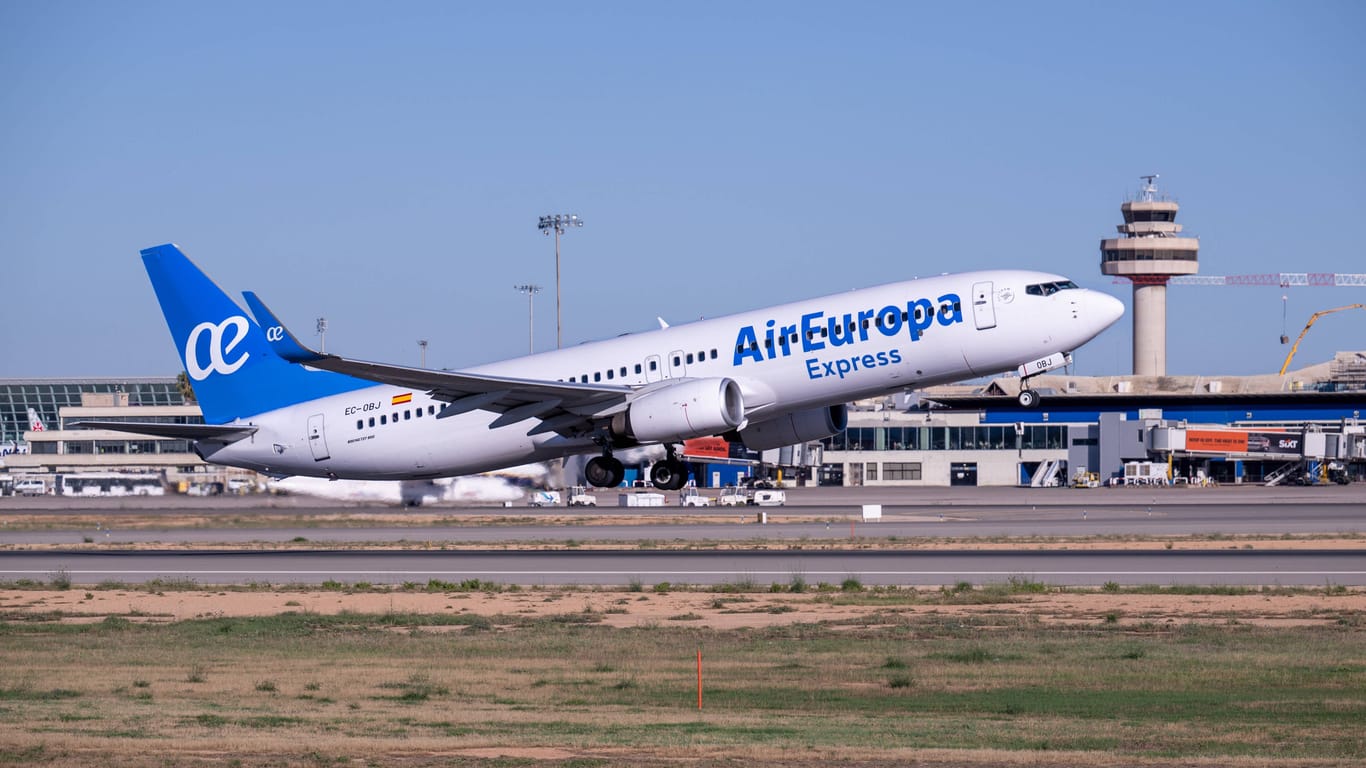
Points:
point(983, 306)
point(677, 368)
point(317, 441)
point(654, 368)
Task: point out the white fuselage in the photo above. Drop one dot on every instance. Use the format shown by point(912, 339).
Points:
point(788, 358)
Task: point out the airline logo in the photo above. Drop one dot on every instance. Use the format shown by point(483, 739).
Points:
point(406, 397)
point(223, 338)
point(816, 332)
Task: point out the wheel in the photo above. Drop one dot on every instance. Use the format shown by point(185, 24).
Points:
point(1028, 398)
point(669, 475)
point(604, 472)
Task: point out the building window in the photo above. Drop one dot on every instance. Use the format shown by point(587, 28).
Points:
point(870, 471)
point(901, 470)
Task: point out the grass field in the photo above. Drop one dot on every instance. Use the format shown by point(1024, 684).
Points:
point(1002, 683)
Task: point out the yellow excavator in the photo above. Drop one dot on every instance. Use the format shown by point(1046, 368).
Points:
point(1312, 319)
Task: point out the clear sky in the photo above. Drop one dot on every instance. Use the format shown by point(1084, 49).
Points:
point(384, 164)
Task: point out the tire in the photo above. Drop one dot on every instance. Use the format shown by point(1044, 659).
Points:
point(604, 472)
point(1028, 398)
point(669, 475)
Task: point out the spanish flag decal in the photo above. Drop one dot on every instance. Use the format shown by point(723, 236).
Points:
point(406, 397)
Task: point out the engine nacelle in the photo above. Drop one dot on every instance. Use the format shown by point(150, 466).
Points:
point(688, 409)
point(794, 428)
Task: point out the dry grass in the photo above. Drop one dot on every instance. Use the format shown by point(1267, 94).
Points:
point(602, 677)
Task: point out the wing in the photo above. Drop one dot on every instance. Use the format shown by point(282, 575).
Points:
point(223, 433)
point(562, 406)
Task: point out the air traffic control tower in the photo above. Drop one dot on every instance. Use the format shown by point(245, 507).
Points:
point(1148, 253)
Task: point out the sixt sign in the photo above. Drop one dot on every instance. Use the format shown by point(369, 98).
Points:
point(817, 332)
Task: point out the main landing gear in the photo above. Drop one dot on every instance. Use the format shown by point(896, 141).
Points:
point(1027, 398)
point(604, 471)
point(669, 474)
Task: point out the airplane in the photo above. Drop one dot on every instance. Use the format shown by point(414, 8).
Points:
point(767, 377)
point(35, 422)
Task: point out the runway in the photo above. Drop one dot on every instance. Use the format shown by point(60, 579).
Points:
point(819, 534)
point(618, 568)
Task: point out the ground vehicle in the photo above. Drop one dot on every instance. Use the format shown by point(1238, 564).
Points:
point(30, 486)
point(689, 497)
point(110, 484)
point(732, 496)
point(580, 497)
point(544, 499)
point(773, 497)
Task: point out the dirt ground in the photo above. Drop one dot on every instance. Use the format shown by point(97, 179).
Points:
point(716, 610)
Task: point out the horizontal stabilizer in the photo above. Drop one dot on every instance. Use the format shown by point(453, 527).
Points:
point(221, 433)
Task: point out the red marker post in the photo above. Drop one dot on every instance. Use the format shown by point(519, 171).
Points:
point(699, 679)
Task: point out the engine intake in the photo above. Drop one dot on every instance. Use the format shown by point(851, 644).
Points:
point(798, 427)
point(688, 409)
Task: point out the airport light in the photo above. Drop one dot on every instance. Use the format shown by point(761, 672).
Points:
point(322, 334)
point(422, 344)
point(530, 291)
point(559, 223)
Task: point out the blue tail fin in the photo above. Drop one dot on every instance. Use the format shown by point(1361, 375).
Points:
point(230, 364)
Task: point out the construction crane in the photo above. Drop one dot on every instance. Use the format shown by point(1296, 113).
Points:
point(1312, 319)
point(1280, 279)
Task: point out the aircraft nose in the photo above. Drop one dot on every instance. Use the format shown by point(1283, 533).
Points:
point(1106, 309)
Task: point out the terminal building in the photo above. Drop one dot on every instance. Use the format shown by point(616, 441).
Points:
point(1302, 427)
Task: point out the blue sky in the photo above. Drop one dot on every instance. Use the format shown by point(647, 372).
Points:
point(384, 165)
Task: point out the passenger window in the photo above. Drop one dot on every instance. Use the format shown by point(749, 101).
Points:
point(609, 373)
point(689, 358)
point(623, 371)
point(637, 368)
point(713, 352)
point(597, 376)
point(384, 420)
point(418, 413)
point(654, 365)
point(407, 415)
point(360, 423)
point(372, 421)
point(678, 361)
point(431, 410)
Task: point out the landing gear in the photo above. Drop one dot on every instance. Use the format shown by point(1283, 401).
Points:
point(669, 474)
point(1028, 398)
point(604, 472)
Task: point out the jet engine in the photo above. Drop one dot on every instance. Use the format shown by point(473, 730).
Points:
point(795, 428)
point(692, 408)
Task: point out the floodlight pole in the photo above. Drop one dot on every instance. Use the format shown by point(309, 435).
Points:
point(530, 291)
point(422, 344)
point(558, 222)
point(322, 334)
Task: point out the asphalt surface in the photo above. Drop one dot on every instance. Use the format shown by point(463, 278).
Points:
point(614, 567)
point(827, 516)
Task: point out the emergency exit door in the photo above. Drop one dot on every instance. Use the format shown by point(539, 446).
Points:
point(317, 441)
point(983, 306)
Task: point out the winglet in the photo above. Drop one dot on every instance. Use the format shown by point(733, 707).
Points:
point(281, 341)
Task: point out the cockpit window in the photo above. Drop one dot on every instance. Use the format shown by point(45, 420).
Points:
point(1048, 289)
